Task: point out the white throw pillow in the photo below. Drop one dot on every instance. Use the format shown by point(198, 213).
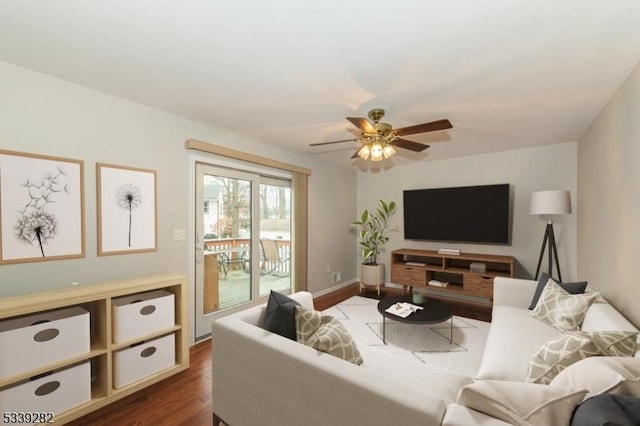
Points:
point(522, 403)
point(603, 374)
point(562, 310)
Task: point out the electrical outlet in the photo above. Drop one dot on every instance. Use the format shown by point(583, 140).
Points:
point(179, 235)
point(335, 277)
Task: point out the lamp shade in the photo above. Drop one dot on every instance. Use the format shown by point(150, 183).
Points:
point(551, 202)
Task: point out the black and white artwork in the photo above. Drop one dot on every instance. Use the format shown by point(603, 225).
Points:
point(41, 208)
point(126, 209)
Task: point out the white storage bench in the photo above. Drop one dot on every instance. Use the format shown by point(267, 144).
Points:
point(140, 314)
point(142, 360)
point(49, 394)
point(34, 341)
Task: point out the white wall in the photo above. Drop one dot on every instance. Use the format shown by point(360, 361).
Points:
point(44, 115)
point(609, 190)
point(527, 170)
point(329, 219)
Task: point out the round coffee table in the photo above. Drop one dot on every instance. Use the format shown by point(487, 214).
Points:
point(434, 311)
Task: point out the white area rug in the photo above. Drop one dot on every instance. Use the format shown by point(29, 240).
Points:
point(428, 344)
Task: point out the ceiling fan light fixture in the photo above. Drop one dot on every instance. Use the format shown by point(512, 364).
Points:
point(364, 151)
point(377, 151)
point(388, 151)
point(377, 139)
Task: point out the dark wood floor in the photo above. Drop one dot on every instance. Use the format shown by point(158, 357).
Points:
point(185, 399)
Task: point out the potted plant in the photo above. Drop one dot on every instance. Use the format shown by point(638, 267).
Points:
point(373, 227)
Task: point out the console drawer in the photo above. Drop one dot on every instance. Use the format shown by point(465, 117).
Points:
point(479, 285)
point(408, 275)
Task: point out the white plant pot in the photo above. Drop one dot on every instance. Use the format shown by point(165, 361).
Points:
point(372, 275)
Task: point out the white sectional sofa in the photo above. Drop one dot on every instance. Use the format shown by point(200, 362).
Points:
point(515, 336)
point(261, 378)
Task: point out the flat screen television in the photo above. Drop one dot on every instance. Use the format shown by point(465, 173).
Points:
point(472, 214)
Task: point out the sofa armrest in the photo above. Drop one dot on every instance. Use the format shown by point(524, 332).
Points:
point(513, 292)
point(262, 378)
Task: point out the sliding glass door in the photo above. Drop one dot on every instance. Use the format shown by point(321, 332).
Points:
point(275, 236)
point(243, 240)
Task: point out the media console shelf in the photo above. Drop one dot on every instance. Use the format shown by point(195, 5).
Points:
point(415, 268)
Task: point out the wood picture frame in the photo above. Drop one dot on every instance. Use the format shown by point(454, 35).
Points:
point(41, 208)
point(126, 207)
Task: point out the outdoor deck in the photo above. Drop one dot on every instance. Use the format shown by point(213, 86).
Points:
point(234, 288)
point(234, 256)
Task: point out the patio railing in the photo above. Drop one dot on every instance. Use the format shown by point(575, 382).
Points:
point(238, 250)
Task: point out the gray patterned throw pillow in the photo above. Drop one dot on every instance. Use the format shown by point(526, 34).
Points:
point(326, 334)
point(564, 350)
point(557, 354)
point(562, 310)
point(613, 343)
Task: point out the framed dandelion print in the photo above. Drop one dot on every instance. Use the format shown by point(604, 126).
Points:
point(126, 209)
point(41, 208)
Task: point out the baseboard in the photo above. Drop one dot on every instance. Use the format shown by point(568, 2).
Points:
point(334, 295)
point(392, 285)
point(334, 288)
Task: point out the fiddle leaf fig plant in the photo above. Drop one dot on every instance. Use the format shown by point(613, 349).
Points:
point(373, 226)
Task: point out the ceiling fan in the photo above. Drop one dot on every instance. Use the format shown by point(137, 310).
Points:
point(379, 139)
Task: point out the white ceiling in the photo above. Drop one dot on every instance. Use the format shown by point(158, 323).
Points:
point(507, 73)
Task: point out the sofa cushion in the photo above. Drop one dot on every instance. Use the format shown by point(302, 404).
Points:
point(603, 374)
point(459, 415)
point(514, 337)
point(572, 288)
point(521, 403)
point(279, 316)
point(557, 354)
point(608, 410)
point(603, 316)
point(434, 381)
point(562, 310)
point(326, 334)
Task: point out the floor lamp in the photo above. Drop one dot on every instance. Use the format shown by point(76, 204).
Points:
point(550, 203)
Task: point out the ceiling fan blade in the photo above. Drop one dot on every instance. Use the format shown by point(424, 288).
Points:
point(425, 127)
point(355, 155)
point(330, 143)
point(362, 124)
point(410, 145)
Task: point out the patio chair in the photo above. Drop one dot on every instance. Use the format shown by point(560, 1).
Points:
point(271, 256)
point(223, 263)
point(244, 259)
point(241, 257)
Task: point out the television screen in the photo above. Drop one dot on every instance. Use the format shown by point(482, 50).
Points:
point(474, 214)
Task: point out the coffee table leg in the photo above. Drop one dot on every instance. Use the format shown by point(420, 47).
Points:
point(384, 330)
point(451, 331)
